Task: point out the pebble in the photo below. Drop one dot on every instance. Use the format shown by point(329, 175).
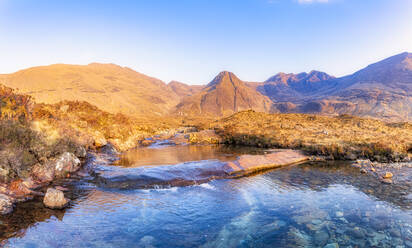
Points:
point(387, 181)
point(339, 214)
point(332, 245)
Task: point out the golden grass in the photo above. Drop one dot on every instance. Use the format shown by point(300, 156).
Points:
point(343, 137)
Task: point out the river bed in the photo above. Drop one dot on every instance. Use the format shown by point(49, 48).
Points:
point(305, 205)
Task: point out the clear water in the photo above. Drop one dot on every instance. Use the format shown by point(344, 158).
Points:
point(308, 205)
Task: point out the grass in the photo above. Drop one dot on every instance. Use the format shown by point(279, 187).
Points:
point(341, 137)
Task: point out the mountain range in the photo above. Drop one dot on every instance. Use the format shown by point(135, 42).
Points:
point(380, 90)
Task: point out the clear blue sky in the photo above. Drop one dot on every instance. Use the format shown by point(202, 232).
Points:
point(192, 40)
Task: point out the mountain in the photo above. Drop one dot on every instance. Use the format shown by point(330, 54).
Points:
point(183, 90)
point(224, 95)
point(110, 87)
point(380, 90)
point(293, 87)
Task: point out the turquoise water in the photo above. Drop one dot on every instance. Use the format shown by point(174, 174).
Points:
point(308, 205)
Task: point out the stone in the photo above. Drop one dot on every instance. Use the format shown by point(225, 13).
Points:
point(251, 163)
point(65, 164)
point(395, 232)
point(147, 142)
point(387, 181)
point(99, 139)
point(339, 214)
point(387, 175)
point(147, 242)
point(80, 152)
point(363, 171)
point(55, 199)
point(356, 232)
point(43, 172)
point(321, 237)
point(109, 149)
point(331, 245)
point(6, 204)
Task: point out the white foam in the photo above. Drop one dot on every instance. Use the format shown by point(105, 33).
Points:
point(207, 186)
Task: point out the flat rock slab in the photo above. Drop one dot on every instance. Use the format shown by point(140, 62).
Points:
point(196, 172)
point(247, 164)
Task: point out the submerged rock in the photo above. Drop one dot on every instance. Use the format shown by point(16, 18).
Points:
point(388, 175)
point(332, 245)
point(6, 204)
point(55, 199)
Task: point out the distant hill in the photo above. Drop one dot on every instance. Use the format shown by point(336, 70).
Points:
point(225, 94)
point(183, 90)
point(110, 87)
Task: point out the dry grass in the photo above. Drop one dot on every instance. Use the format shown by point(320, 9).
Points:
point(87, 124)
point(343, 137)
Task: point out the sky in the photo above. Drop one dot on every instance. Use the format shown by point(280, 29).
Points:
point(193, 40)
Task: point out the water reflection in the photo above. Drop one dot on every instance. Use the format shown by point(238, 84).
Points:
point(167, 155)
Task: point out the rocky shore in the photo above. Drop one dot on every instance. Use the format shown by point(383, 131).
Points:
point(40, 176)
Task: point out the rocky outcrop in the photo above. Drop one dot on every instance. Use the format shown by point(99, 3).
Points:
point(55, 199)
point(59, 167)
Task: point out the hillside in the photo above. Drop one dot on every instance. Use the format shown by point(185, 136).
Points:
point(110, 87)
point(224, 95)
point(182, 89)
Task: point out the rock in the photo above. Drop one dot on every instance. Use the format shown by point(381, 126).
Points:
point(147, 242)
point(6, 204)
point(109, 149)
point(250, 163)
point(147, 142)
point(363, 171)
point(321, 237)
point(59, 167)
point(65, 164)
point(356, 232)
point(339, 214)
point(99, 139)
point(395, 232)
point(332, 245)
point(387, 175)
point(43, 172)
point(55, 199)
point(386, 181)
point(80, 152)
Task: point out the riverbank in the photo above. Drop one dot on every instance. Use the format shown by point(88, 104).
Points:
point(337, 138)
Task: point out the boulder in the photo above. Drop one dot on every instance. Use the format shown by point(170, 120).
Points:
point(43, 173)
point(6, 204)
point(65, 164)
point(80, 152)
point(55, 199)
point(56, 168)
